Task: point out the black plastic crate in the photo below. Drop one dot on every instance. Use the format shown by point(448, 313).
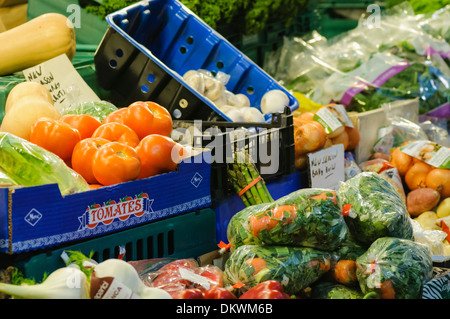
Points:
point(256, 138)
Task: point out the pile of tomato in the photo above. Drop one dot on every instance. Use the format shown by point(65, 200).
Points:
point(130, 143)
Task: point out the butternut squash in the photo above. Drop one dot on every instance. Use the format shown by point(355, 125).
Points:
point(19, 119)
point(36, 41)
point(27, 89)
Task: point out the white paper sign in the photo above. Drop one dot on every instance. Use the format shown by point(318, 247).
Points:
point(326, 167)
point(62, 80)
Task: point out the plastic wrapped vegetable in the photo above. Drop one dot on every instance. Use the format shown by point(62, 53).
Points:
point(330, 290)
point(31, 165)
point(98, 109)
point(294, 267)
point(349, 249)
point(6, 180)
point(394, 268)
point(343, 266)
point(373, 208)
point(183, 278)
point(309, 217)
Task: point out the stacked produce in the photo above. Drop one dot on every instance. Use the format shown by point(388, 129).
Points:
point(361, 240)
point(236, 106)
point(307, 217)
point(325, 126)
point(363, 68)
point(319, 240)
point(95, 143)
point(373, 209)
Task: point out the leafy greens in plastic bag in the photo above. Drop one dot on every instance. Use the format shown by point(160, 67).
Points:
point(309, 217)
point(294, 267)
point(394, 268)
point(373, 208)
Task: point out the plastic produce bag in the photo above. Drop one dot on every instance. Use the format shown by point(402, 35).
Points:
point(30, 165)
point(394, 268)
point(349, 249)
point(399, 131)
point(386, 170)
point(330, 290)
point(373, 208)
point(98, 109)
point(294, 267)
point(432, 238)
point(6, 180)
point(309, 217)
point(299, 67)
point(181, 278)
point(437, 23)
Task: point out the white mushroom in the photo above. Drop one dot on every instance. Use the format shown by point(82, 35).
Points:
point(235, 115)
point(230, 98)
point(221, 101)
point(213, 89)
point(195, 80)
point(252, 114)
point(242, 99)
point(274, 101)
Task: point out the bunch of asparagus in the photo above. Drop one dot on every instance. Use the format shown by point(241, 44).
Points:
point(241, 173)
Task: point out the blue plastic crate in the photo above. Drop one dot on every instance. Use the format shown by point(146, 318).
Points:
point(150, 45)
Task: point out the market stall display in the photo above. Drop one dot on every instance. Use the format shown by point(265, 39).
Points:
point(123, 191)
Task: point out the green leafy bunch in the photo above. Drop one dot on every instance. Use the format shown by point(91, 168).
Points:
point(108, 6)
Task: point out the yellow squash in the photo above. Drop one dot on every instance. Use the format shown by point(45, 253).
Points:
point(36, 41)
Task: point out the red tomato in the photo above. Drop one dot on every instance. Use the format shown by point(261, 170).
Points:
point(158, 154)
point(115, 163)
point(116, 116)
point(162, 120)
point(117, 132)
point(85, 124)
point(83, 154)
point(55, 136)
point(140, 119)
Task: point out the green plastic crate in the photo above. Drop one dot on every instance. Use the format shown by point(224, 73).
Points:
point(183, 236)
point(331, 23)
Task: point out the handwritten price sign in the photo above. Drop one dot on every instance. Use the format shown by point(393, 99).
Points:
point(326, 167)
point(63, 81)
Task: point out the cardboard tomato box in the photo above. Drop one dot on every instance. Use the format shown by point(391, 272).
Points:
point(39, 217)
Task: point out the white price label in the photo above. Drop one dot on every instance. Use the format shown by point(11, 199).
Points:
point(63, 81)
point(326, 167)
